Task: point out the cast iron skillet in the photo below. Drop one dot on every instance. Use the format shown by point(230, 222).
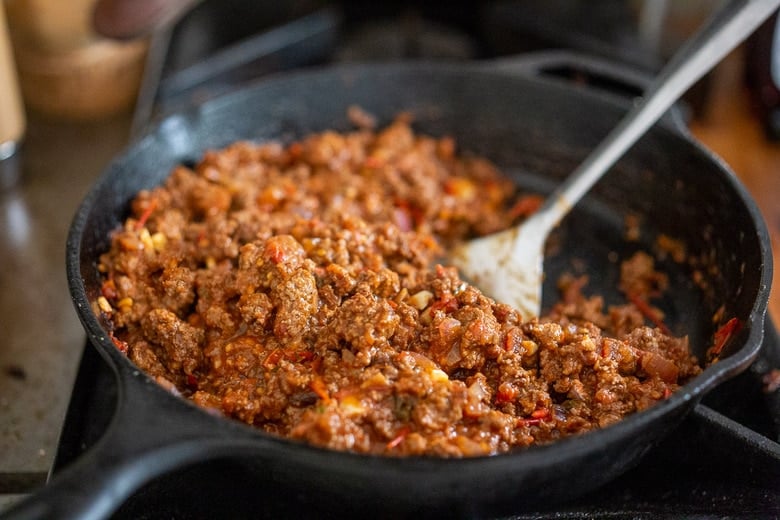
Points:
point(537, 128)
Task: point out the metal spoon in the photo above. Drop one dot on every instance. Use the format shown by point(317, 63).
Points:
point(508, 265)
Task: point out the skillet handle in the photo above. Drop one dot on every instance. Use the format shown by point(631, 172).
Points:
point(591, 72)
point(94, 486)
point(151, 433)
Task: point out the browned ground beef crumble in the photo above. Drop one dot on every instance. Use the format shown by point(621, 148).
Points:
point(295, 288)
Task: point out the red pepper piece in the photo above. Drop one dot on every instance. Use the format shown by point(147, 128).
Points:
point(506, 393)
point(537, 416)
point(300, 356)
point(649, 313)
point(122, 346)
point(723, 334)
point(272, 359)
point(446, 304)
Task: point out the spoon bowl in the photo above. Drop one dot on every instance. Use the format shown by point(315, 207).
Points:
point(508, 265)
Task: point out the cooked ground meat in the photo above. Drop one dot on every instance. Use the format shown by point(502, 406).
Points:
point(295, 288)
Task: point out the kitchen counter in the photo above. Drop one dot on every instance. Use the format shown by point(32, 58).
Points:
point(42, 340)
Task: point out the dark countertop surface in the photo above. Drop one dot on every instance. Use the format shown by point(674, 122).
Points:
point(41, 338)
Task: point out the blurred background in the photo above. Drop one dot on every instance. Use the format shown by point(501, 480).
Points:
point(71, 98)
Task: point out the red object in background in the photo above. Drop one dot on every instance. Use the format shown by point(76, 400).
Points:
point(763, 75)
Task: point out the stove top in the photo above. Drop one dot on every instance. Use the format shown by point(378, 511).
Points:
point(722, 462)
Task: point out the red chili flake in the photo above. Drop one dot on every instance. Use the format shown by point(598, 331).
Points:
point(146, 214)
point(192, 381)
point(398, 439)
point(526, 206)
point(649, 313)
point(608, 346)
point(667, 393)
point(122, 346)
point(537, 416)
point(272, 359)
point(722, 336)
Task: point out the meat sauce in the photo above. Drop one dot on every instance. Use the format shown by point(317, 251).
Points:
point(295, 288)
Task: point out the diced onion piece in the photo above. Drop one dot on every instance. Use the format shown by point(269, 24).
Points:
point(146, 239)
point(104, 305)
point(478, 391)
point(659, 366)
point(530, 347)
point(421, 299)
point(352, 405)
point(159, 241)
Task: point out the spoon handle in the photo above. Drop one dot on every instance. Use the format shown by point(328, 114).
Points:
point(728, 27)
